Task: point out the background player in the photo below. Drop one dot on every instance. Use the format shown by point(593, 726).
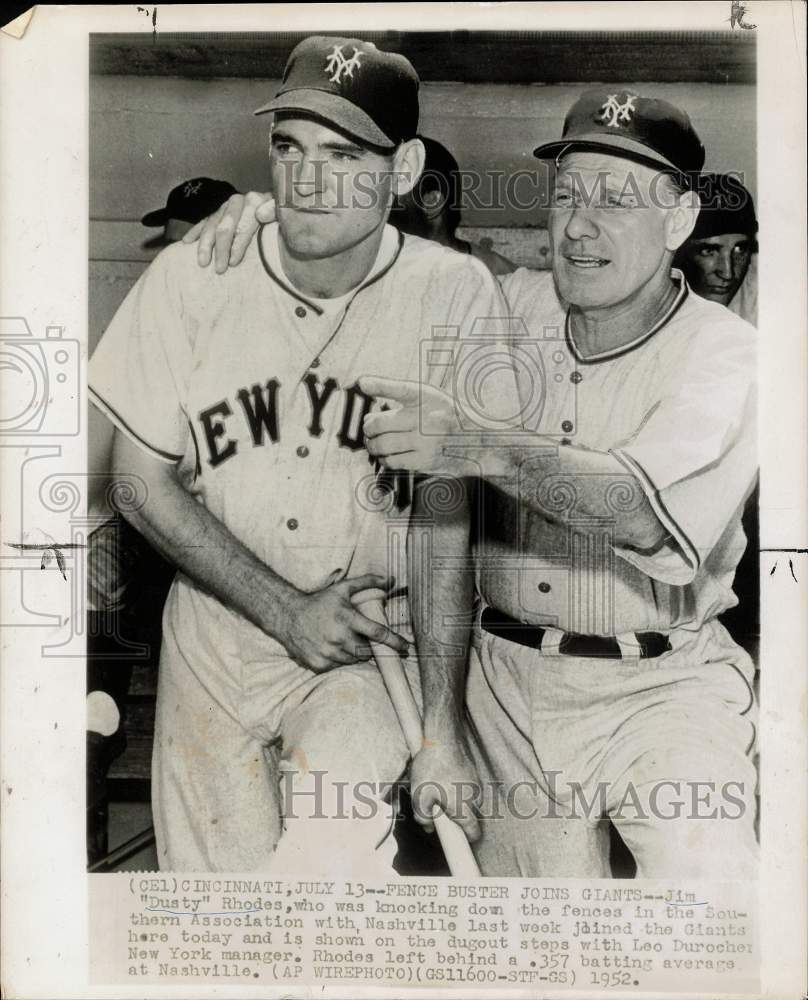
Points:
point(186, 204)
point(236, 400)
point(720, 258)
point(432, 208)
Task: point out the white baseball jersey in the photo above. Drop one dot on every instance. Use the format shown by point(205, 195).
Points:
point(251, 389)
point(676, 408)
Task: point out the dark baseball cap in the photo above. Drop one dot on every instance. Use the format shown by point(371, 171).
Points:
point(623, 123)
point(191, 201)
point(368, 94)
point(726, 207)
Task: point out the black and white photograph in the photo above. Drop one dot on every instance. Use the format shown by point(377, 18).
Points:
point(597, 551)
point(423, 553)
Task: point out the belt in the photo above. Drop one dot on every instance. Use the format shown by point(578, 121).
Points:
point(648, 644)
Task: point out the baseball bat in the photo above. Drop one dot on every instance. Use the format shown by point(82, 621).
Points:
point(456, 848)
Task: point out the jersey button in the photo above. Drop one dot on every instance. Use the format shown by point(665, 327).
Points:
point(302, 451)
point(291, 524)
point(566, 426)
point(300, 312)
point(545, 587)
point(576, 377)
point(315, 363)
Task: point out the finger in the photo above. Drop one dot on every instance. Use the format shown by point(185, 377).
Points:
point(385, 421)
point(204, 251)
point(265, 211)
point(240, 243)
point(427, 798)
point(400, 390)
point(370, 580)
point(247, 226)
point(329, 654)
point(405, 462)
point(378, 633)
point(393, 443)
point(421, 815)
point(193, 234)
point(223, 241)
point(357, 648)
point(318, 664)
point(342, 655)
point(374, 594)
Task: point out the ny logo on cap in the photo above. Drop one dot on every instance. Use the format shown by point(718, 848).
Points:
point(613, 112)
point(191, 187)
point(339, 65)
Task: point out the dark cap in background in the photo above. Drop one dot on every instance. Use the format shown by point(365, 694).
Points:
point(726, 207)
point(191, 201)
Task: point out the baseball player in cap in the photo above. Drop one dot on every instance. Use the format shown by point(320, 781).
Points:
point(601, 683)
point(720, 258)
point(236, 399)
point(432, 208)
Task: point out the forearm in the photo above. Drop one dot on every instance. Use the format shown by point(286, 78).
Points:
point(191, 538)
point(441, 587)
point(534, 472)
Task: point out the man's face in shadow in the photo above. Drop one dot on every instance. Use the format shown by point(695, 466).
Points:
point(716, 266)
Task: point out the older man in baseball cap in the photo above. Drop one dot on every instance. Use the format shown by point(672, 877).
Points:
point(235, 400)
point(601, 676)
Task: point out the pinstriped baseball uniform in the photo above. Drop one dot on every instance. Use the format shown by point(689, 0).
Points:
point(250, 389)
point(676, 408)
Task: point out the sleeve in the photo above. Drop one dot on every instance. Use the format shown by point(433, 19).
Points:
point(483, 377)
point(695, 454)
point(139, 373)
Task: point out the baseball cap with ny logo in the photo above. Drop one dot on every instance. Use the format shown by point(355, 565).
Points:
point(622, 122)
point(348, 83)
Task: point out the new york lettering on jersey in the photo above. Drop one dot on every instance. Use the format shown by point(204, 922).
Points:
point(252, 388)
point(260, 424)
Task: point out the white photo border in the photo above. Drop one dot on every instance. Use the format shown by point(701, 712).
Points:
point(44, 82)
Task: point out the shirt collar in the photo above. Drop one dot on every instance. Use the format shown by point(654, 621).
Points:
point(269, 252)
point(589, 359)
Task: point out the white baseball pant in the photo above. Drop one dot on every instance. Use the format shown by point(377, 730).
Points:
point(663, 747)
point(242, 741)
